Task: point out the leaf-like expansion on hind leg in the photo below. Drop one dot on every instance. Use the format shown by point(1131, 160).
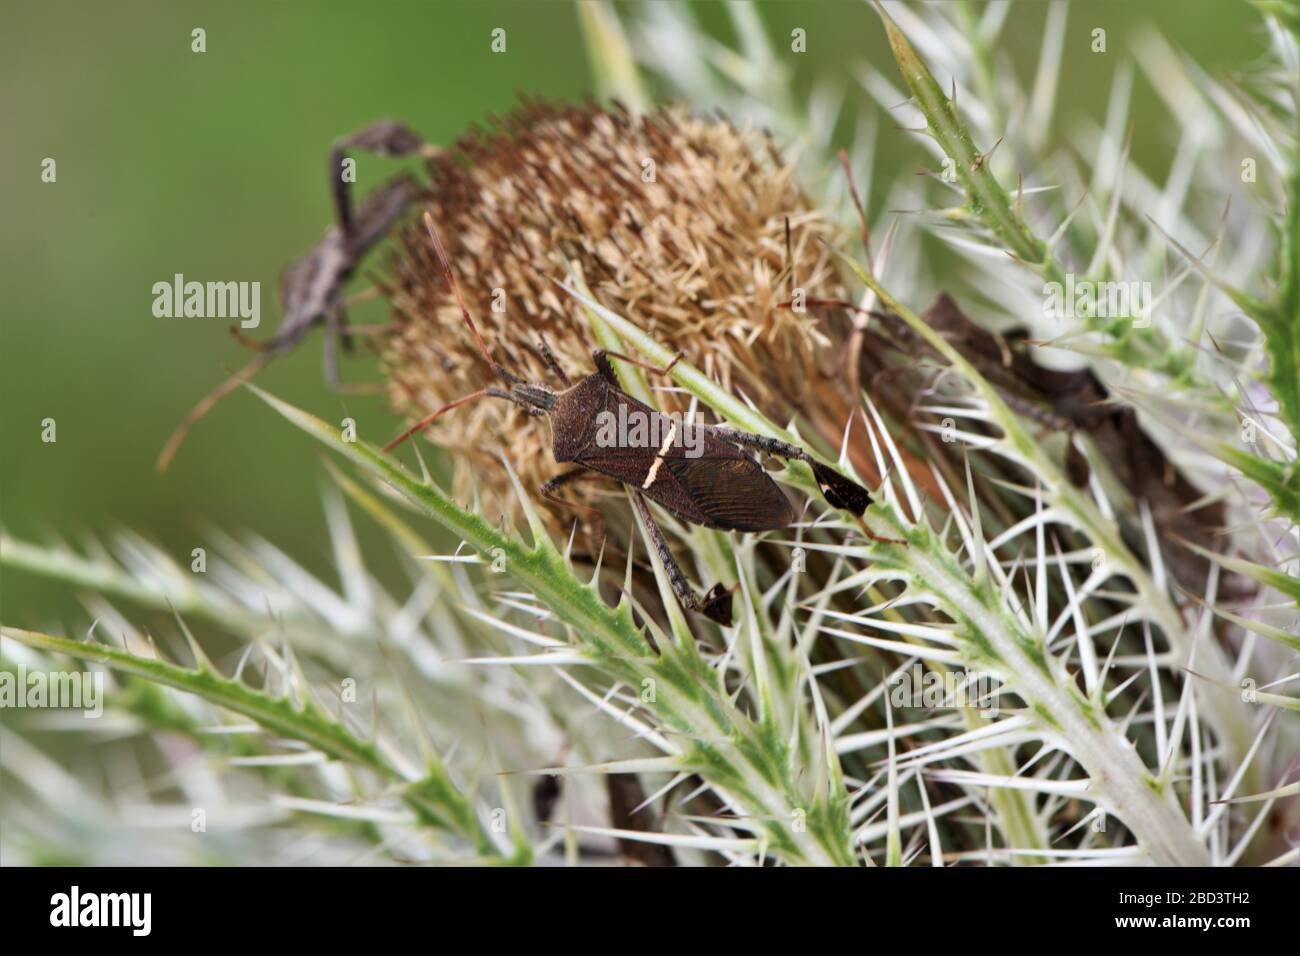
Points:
point(841, 492)
point(716, 605)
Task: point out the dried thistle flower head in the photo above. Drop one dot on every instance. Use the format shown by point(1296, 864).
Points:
point(677, 221)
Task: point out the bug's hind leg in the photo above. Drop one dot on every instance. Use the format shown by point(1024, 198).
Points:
point(384, 138)
point(716, 603)
point(839, 491)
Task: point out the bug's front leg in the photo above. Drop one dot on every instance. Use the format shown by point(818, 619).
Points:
point(559, 481)
point(839, 491)
point(602, 356)
point(715, 605)
point(548, 356)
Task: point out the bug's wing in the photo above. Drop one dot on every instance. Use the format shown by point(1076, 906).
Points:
point(732, 492)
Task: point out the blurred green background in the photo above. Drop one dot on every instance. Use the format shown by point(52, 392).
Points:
point(213, 165)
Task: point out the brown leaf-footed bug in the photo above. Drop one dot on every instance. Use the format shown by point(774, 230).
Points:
point(702, 474)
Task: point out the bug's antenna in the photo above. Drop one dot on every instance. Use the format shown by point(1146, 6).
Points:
point(429, 419)
point(460, 300)
point(206, 404)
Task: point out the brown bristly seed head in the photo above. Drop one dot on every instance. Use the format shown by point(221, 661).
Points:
point(698, 258)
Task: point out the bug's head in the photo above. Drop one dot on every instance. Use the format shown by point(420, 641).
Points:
point(534, 398)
